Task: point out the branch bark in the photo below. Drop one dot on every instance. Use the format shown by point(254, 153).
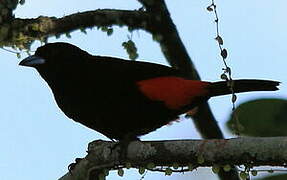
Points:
point(20, 32)
point(196, 153)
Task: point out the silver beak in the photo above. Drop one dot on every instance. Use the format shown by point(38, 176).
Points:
point(32, 61)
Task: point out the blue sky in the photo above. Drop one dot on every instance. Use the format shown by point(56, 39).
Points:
point(38, 141)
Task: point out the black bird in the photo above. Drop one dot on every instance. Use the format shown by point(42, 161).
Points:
point(124, 99)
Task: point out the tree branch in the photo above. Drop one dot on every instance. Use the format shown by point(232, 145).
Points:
point(24, 31)
point(185, 153)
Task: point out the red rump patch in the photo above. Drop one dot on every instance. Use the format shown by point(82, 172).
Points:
point(175, 92)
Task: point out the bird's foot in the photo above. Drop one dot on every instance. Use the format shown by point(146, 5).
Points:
point(122, 146)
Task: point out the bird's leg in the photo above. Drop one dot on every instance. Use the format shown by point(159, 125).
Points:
point(123, 146)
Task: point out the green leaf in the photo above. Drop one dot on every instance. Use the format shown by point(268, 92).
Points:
point(168, 172)
point(110, 31)
point(130, 29)
point(209, 8)
point(227, 168)
point(22, 2)
point(262, 117)
point(150, 165)
point(104, 28)
point(121, 172)
point(131, 49)
point(243, 175)
point(83, 30)
point(128, 165)
point(224, 77)
point(215, 169)
point(68, 35)
point(190, 167)
point(254, 173)
point(175, 165)
point(219, 40)
point(224, 53)
point(200, 159)
point(141, 170)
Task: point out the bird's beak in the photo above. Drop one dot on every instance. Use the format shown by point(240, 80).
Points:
point(32, 61)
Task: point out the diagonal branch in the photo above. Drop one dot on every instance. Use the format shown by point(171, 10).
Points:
point(163, 27)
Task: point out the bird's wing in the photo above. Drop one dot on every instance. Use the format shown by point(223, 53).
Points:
point(132, 70)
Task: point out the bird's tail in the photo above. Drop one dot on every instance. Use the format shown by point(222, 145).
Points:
point(242, 85)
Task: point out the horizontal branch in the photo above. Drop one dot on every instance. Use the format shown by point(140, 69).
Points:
point(198, 153)
point(20, 31)
point(101, 17)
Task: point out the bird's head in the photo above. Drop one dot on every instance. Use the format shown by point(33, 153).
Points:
point(55, 61)
point(53, 55)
